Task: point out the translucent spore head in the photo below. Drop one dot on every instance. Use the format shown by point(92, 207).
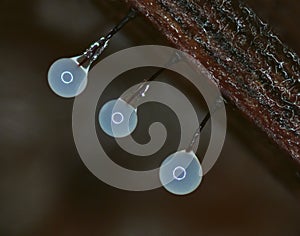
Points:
point(118, 118)
point(181, 173)
point(66, 78)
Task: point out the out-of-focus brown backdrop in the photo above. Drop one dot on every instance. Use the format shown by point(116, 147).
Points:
point(46, 190)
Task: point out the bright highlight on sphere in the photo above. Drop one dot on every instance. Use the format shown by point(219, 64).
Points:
point(117, 118)
point(181, 173)
point(66, 78)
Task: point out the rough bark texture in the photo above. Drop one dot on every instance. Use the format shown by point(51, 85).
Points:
point(252, 67)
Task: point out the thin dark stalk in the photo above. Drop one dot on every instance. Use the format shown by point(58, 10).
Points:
point(96, 49)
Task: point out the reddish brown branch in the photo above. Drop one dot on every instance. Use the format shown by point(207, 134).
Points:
point(252, 67)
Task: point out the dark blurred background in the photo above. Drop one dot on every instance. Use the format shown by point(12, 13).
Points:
point(45, 189)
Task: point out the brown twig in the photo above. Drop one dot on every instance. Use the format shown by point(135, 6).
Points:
point(253, 68)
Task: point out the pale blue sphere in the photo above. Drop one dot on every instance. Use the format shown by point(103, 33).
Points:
point(181, 173)
point(117, 118)
point(66, 78)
